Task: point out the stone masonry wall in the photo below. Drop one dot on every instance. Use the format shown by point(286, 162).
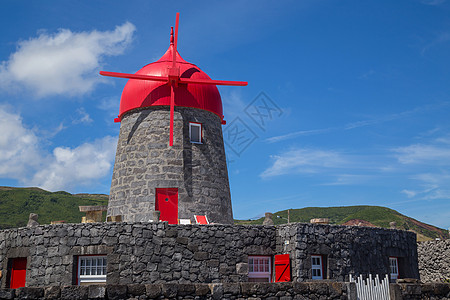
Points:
point(137, 252)
point(216, 291)
point(348, 250)
point(244, 290)
point(144, 162)
point(434, 260)
point(149, 253)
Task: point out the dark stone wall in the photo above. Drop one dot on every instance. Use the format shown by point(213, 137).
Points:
point(232, 291)
point(149, 253)
point(137, 252)
point(144, 162)
point(434, 261)
point(348, 250)
point(216, 291)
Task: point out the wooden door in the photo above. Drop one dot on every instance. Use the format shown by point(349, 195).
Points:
point(167, 203)
point(18, 272)
point(282, 268)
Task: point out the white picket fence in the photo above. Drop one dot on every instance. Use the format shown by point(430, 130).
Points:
point(371, 289)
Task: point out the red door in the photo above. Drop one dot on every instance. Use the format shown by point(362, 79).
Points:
point(167, 203)
point(18, 272)
point(282, 268)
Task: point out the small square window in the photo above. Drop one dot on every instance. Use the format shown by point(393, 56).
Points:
point(259, 269)
point(91, 270)
point(195, 132)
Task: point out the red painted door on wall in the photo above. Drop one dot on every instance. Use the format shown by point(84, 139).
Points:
point(282, 268)
point(167, 203)
point(18, 272)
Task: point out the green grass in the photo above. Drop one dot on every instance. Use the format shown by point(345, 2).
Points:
point(16, 204)
point(377, 215)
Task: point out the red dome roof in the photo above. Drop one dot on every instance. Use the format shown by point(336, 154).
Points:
point(145, 93)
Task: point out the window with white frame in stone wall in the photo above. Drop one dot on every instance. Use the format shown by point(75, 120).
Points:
point(317, 269)
point(393, 268)
point(195, 132)
point(259, 268)
point(91, 269)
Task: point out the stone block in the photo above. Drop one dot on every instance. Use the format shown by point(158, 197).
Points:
point(116, 292)
point(30, 293)
point(202, 289)
point(74, 292)
point(201, 255)
point(153, 290)
point(136, 289)
point(7, 294)
point(242, 268)
point(51, 292)
point(96, 292)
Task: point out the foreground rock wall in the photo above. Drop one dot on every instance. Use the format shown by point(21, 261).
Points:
point(434, 261)
point(272, 291)
point(285, 291)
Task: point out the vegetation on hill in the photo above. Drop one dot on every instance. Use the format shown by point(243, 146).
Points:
point(16, 204)
point(377, 215)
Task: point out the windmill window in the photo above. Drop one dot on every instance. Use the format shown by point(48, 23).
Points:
point(259, 268)
point(91, 269)
point(195, 132)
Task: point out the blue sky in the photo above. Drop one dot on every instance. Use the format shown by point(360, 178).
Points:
point(347, 103)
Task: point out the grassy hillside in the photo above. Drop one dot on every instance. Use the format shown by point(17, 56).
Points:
point(378, 216)
point(16, 204)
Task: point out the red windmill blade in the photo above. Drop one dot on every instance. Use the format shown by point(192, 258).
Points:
point(173, 78)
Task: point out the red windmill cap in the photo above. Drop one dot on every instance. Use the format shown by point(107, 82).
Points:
point(146, 93)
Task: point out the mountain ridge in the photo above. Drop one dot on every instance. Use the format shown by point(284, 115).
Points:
point(16, 203)
point(339, 215)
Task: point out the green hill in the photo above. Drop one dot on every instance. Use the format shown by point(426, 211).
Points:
point(16, 204)
point(376, 215)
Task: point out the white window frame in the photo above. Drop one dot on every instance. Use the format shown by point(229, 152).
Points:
point(316, 267)
point(255, 262)
point(85, 265)
point(197, 126)
point(393, 268)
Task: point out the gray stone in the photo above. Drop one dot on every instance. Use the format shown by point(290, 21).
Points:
point(97, 292)
point(52, 292)
point(7, 294)
point(74, 292)
point(116, 292)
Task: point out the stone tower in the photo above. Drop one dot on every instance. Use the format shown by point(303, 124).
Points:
point(186, 179)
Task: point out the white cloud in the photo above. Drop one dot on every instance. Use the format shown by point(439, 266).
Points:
point(83, 117)
point(423, 154)
point(18, 146)
point(63, 169)
point(63, 63)
point(409, 193)
point(303, 161)
point(79, 166)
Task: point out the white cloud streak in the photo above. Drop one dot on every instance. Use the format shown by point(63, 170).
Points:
point(62, 63)
point(303, 161)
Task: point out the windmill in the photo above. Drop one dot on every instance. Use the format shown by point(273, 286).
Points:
point(173, 78)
